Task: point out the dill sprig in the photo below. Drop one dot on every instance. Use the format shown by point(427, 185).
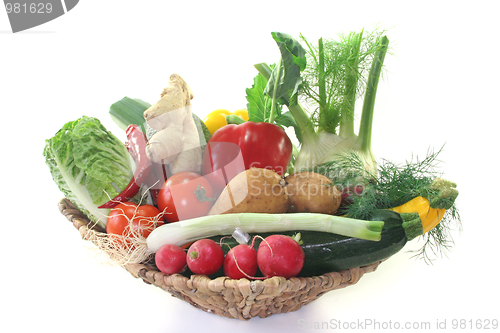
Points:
point(439, 241)
point(394, 185)
point(401, 183)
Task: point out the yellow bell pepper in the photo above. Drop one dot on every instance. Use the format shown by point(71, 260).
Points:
point(432, 209)
point(429, 216)
point(217, 118)
point(243, 113)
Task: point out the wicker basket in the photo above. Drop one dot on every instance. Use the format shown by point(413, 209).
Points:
point(241, 299)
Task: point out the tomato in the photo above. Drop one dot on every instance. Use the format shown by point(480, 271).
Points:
point(185, 195)
point(142, 218)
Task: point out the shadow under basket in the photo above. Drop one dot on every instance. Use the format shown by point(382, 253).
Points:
point(241, 299)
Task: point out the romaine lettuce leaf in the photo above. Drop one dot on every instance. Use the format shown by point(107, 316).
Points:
point(89, 165)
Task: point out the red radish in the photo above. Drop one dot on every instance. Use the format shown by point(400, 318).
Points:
point(241, 262)
point(171, 259)
point(348, 194)
point(280, 255)
point(205, 257)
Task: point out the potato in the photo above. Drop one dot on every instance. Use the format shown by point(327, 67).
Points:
point(255, 190)
point(310, 192)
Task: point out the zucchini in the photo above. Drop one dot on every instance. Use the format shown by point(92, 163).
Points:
point(330, 252)
point(327, 252)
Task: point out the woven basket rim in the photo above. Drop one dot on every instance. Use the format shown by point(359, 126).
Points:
point(201, 290)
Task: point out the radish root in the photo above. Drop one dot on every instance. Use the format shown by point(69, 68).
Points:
point(236, 261)
point(244, 273)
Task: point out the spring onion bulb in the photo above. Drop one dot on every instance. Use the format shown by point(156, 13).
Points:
point(180, 233)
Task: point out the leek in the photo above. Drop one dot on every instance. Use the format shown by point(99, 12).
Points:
point(180, 233)
point(129, 111)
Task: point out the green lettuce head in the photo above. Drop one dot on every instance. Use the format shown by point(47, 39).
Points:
point(89, 165)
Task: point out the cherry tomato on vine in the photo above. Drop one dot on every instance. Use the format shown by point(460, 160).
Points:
point(185, 195)
point(143, 219)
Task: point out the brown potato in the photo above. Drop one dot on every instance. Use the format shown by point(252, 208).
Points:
point(310, 192)
point(255, 190)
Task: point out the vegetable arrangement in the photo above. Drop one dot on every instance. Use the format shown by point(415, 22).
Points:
point(233, 195)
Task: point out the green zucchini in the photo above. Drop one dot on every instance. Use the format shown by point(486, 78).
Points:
point(330, 252)
point(327, 252)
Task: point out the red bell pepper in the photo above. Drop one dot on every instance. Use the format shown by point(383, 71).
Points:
point(235, 148)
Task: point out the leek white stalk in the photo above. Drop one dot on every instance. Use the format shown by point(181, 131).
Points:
point(180, 233)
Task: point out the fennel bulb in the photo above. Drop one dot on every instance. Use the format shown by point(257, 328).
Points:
point(336, 82)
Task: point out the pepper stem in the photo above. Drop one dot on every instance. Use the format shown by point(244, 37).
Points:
point(412, 224)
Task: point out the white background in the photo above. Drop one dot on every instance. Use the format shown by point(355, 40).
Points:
point(441, 87)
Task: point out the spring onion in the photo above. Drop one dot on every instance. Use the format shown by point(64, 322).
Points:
point(180, 233)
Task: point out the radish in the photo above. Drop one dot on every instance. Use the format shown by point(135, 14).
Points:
point(205, 257)
point(280, 255)
point(241, 262)
point(171, 259)
point(348, 195)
